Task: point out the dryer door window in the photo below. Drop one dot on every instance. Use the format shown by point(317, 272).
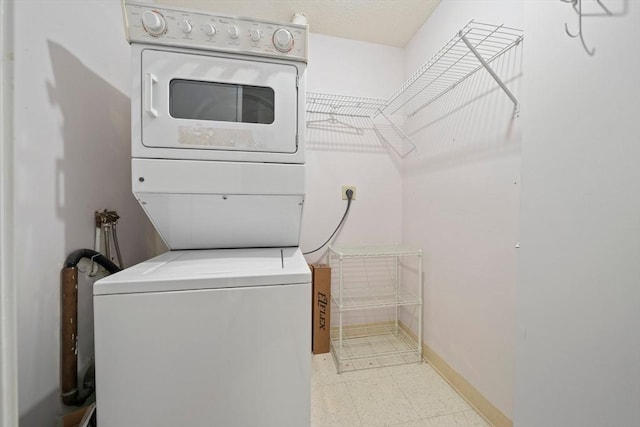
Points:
point(221, 102)
point(197, 101)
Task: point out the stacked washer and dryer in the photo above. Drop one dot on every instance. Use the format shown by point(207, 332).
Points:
point(215, 332)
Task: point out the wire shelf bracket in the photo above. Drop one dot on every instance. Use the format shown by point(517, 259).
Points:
point(516, 104)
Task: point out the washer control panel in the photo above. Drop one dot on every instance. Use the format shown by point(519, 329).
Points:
point(146, 23)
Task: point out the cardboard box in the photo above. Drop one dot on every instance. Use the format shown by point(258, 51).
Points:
point(321, 308)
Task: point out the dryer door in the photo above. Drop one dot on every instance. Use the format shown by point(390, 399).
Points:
point(197, 101)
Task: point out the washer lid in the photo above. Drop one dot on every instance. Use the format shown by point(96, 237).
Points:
point(209, 269)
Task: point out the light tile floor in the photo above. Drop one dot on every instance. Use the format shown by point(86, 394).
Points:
point(410, 395)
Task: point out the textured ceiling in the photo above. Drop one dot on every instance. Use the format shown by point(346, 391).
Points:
point(390, 22)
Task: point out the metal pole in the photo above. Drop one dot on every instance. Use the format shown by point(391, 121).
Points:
point(420, 313)
point(340, 355)
point(484, 63)
point(397, 284)
point(69, 336)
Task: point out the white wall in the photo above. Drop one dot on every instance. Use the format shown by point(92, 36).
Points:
point(72, 133)
point(578, 297)
point(461, 204)
point(353, 68)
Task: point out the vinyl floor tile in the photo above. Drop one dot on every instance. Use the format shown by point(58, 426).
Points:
point(380, 402)
point(323, 371)
point(459, 419)
point(406, 395)
point(332, 407)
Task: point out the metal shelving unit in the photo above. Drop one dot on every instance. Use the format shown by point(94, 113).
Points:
point(473, 48)
point(363, 292)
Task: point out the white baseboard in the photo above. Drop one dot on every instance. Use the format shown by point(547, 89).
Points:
point(477, 400)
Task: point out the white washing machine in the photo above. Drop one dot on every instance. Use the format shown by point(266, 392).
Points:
point(205, 338)
point(216, 332)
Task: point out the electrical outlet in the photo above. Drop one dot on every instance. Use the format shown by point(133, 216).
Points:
point(344, 191)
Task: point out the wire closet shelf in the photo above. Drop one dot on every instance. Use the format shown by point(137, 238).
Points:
point(473, 48)
point(354, 115)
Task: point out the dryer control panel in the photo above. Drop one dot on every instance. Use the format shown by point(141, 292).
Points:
point(147, 23)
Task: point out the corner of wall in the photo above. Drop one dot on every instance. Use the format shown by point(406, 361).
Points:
point(8, 312)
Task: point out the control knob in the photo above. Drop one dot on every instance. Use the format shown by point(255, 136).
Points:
point(283, 40)
point(186, 26)
point(233, 32)
point(209, 29)
point(153, 22)
point(255, 34)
